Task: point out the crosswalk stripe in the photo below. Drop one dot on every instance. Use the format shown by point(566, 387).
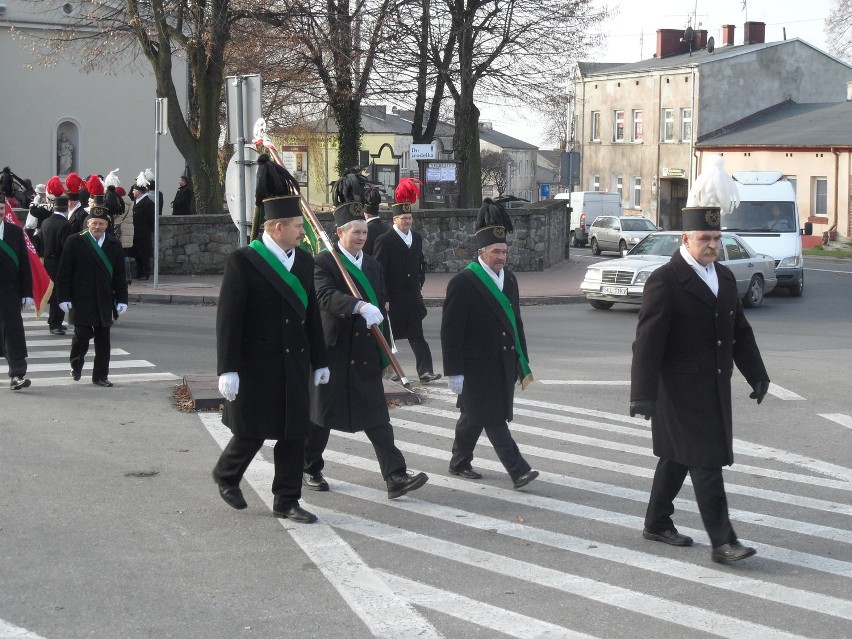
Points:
point(783, 555)
point(65, 366)
point(774, 389)
point(8, 631)
point(642, 451)
point(381, 610)
point(839, 418)
point(115, 378)
point(66, 353)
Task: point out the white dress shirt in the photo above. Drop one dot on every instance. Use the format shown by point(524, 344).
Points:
point(405, 238)
point(706, 273)
point(497, 277)
point(285, 257)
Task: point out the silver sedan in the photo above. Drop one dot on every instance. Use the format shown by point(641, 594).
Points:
point(623, 280)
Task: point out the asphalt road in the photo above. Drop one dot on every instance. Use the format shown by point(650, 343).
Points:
point(111, 527)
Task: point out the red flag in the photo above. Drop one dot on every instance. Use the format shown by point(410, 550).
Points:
point(42, 286)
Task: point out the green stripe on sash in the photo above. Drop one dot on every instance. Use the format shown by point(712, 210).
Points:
point(358, 274)
point(100, 252)
point(506, 305)
point(289, 279)
point(12, 254)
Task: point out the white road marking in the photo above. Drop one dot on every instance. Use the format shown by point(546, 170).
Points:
point(65, 366)
point(838, 418)
point(783, 393)
point(635, 524)
point(383, 612)
point(774, 389)
point(115, 378)
point(697, 574)
point(8, 631)
point(66, 353)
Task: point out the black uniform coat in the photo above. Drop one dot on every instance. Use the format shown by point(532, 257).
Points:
point(182, 204)
point(271, 343)
point(54, 232)
point(77, 218)
point(354, 398)
point(405, 272)
point(375, 228)
point(687, 342)
point(85, 282)
point(478, 342)
point(15, 285)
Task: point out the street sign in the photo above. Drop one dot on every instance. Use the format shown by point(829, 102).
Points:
point(544, 190)
point(422, 151)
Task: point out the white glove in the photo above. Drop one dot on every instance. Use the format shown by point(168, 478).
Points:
point(229, 385)
point(32, 220)
point(371, 314)
point(321, 376)
point(27, 302)
point(65, 306)
point(121, 309)
point(456, 383)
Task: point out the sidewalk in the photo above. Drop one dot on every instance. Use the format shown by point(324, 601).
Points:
point(560, 284)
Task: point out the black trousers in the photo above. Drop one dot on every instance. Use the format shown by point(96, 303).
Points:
point(13, 342)
point(467, 434)
point(55, 315)
point(287, 457)
point(390, 458)
point(709, 493)
point(80, 346)
point(142, 250)
point(420, 348)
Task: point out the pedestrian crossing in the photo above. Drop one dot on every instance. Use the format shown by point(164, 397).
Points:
point(564, 557)
point(48, 358)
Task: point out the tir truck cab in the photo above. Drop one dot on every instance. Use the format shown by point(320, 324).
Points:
point(768, 219)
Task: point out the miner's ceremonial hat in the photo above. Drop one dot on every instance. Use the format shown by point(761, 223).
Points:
point(702, 218)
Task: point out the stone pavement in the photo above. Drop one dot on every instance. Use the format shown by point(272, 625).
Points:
point(560, 284)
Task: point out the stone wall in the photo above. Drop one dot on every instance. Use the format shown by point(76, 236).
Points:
point(199, 244)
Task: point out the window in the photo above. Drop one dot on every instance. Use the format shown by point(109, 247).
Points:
point(618, 128)
point(619, 188)
point(596, 183)
point(596, 126)
point(668, 125)
point(405, 160)
point(686, 125)
point(637, 192)
point(820, 197)
point(637, 126)
point(736, 251)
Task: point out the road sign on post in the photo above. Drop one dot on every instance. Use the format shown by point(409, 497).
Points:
point(544, 191)
point(242, 105)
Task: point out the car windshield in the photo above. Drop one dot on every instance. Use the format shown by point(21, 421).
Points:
point(657, 245)
point(639, 224)
point(762, 216)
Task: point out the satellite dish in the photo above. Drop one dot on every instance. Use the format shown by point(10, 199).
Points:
point(687, 35)
point(711, 44)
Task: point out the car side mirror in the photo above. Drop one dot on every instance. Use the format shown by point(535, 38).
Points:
point(809, 228)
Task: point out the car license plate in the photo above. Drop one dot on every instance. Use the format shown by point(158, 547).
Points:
point(614, 290)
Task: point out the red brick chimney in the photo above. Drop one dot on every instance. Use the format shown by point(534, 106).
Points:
point(699, 40)
point(754, 33)
point(668, 42)
point(728, 35)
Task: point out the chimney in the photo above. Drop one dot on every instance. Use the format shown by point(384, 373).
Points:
point(699, 40)
point(669, 42)
point(849, 91)
point(754, 33)
point(728, 35)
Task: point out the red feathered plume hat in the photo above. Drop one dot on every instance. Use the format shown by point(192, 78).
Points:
point(73, 184)
point(407, 193)
point(96, 190)
point(54, 187)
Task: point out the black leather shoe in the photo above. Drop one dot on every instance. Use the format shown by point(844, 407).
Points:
point(57, 331)
point(429, 377)
point(314, 482)
point(467, 473)
point(233, 496)
point(294, 512)
point(401, 483)
point(526, 478)
point(671, 537)
point(75, 375)
point(729, 553)
point(102, 382)
point(17, 383)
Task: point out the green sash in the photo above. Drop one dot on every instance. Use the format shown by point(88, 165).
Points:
point(99, 252)
point(11, 253)
point(358, 274)
point(289, 279)
point(506, 305)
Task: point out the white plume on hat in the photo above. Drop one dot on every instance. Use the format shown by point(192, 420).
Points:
point(112, 179)
point(142, 181)
point(149, 175)
point(714, 187)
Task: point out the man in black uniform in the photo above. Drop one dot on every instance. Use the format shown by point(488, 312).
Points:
point(268, 340)
point(92, 286)
point(354, 400)
point(182, 204)
point(375, 226)
point(16, 292)
point(400, 252)
point(55, 231)
point(485, 351)
point(691, 332)
point(143, 231)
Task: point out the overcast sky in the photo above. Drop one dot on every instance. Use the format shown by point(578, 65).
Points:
point(632, 31)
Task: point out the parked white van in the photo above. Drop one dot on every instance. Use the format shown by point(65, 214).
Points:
point(768, 219)
point(585, 206)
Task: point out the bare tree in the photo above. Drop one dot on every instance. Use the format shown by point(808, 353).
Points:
point(838, 30)
point(495, 170)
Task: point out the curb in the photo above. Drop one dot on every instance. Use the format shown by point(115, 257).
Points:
point(432, 302)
